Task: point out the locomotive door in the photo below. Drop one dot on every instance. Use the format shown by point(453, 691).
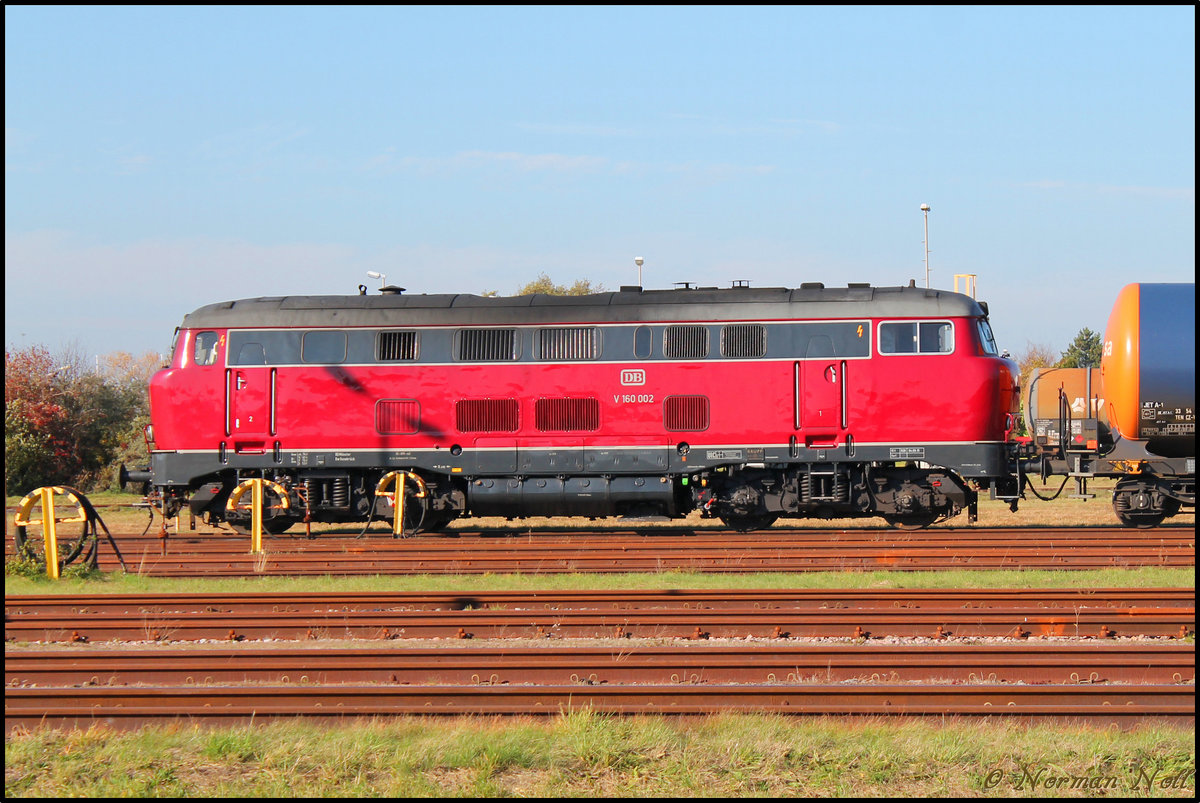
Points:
point(251, 404)
point(820, 400)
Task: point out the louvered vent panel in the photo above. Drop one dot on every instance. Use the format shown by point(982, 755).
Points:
point(487, 345)
point(567, 415)
point(393, 346)
point(486, 415)
point(685, 413)
point(685, 342)
point(569, 344)
point(397, 416)
point(744, 340)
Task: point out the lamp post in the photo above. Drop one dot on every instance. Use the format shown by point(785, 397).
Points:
point(925, 209)
point(638, 261)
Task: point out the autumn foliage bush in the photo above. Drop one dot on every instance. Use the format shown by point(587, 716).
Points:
point(66, 425)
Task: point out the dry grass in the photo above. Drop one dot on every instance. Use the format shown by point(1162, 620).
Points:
point(582, 753)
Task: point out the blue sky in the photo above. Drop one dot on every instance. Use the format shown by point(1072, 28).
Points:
point(160, 159)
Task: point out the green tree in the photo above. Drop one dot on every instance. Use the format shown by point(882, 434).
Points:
point(1035, 356)
point(543, 284)
point(1084, 351)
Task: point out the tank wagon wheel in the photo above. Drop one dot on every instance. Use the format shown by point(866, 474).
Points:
point(1137, 506)
point(275, 521)
point(912, 522)
point(745, 524)
point(1141, 521)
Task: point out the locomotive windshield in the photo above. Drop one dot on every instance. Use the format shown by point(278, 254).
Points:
point(986, 338)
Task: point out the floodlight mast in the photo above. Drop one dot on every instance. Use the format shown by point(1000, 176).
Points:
point(925, 209)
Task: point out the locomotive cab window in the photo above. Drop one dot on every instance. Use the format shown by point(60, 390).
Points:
point(206, 348)
point(924, 337)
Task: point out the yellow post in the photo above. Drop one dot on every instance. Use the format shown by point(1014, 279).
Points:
point(256, 517)
point(398, 507)
point(258, 496)
point(399, 494)
point(50, 533)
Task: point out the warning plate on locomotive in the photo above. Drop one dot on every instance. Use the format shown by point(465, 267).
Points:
point(906, 452)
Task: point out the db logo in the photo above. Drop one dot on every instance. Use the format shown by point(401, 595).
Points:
point(633, 377)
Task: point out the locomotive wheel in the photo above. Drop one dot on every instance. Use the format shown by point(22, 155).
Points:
point(745, 524)
point(436, 521)
point(275, 519)
point(916, 521)
point(275, 526)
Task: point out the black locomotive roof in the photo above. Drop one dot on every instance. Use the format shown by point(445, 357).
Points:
point(626, 305)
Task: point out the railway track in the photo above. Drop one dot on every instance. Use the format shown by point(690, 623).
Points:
point(1125, 705)
point(800, 550)
point(770, 663)
point(648, 614)
point(673, 670)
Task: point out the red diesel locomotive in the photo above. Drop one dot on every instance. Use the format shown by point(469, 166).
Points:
point(748, 404)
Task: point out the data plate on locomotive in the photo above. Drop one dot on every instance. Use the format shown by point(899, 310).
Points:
point(906, 452)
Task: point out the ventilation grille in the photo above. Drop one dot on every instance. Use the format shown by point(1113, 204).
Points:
point(391, 346)
point(484, 345)
point(397, 416)
point(486, 415)
point(684, 342)
point(744, 340)
point(567, 415)
point(569, 344)
point(685, 413)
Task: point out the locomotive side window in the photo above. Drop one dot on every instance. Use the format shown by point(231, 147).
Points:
point(394, 346)
point(823, 340)
point(206, 348)
point(743, 340)
point(937, 338)
point(926, 337)
point(643, 342)
point(575, 343)
point(685, 341)
point(323, 347)
point(487, 345)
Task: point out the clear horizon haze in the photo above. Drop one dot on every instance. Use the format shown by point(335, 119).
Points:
point(158, 159)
